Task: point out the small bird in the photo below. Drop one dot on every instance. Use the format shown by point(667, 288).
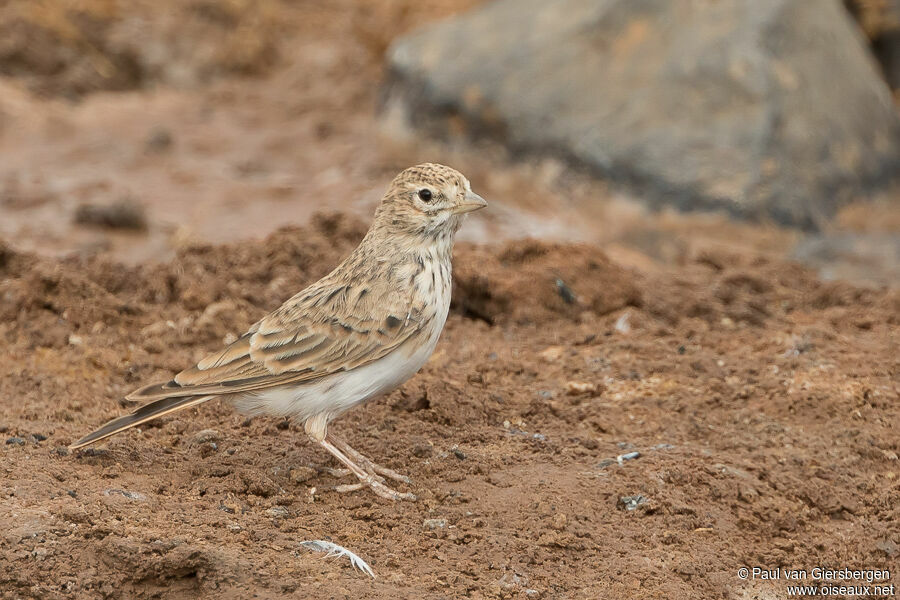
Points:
point(354, 335)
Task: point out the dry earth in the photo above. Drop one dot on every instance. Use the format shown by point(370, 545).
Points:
point(762, 401)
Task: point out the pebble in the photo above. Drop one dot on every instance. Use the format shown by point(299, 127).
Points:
point(510, 581)
point(208, 448)
point(124, 213)
point(137, 496)
point(622, 325)
point(61, 450)
point(159, 140)
point(15, 441)
point(278, 512)
point(93, 452)
point(574, 388)
point(434, 523)
point(631, 502)
point(628, 456)
point(565, 292)
point(206, 435)
point(422, 450)
point(559, 521)
point(552, 353)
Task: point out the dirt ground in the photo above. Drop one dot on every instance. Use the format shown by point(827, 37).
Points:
point(761, 399)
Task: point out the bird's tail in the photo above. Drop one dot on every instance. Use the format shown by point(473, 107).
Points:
point(147, 412)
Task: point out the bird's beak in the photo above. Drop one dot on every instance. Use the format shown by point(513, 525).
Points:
point(472, 202)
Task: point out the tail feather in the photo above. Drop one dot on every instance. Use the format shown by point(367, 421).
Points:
point(147, 412)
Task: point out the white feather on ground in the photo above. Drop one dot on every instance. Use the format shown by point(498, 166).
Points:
point(333, 549)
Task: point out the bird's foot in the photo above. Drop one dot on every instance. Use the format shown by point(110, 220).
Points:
point(368, 465)
point(370, 474)
point(378, 487)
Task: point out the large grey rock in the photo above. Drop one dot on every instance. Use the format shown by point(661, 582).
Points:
point(763, 107)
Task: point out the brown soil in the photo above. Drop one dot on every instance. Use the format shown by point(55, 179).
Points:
point(762, 400)
point(763, 403)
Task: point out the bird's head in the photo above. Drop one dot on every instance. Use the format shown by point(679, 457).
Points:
point(427, 200)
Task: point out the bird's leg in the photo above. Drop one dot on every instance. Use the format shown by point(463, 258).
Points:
point(317, 430)
point(365, 462)
point(366, 478)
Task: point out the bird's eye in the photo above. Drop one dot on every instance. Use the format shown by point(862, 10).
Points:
point(425, 195)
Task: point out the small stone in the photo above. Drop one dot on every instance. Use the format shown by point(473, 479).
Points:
point(422, 450)
point(631, 502)
point(565, 292)
point(551, 354)
point(93, 452)
point(61, 450)
point(125, 213)
point(15, 441)
point(627, 456)
point(159, 140)
point(71, 493)
point(747, 494)
point(278, 512)
point(458, 453)
point(302, 474)
point(575, 388)
point(559, 522)
point(136, 496)
point(208, 448)
point(511, 581)
point(434, 523)
point(205, 436)
point(888, 547)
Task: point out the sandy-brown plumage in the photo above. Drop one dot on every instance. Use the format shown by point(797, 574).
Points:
point(355, 334)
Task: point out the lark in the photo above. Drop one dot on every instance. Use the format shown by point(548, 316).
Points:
point(355, 335)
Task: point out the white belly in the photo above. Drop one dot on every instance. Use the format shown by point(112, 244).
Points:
point(334, 394)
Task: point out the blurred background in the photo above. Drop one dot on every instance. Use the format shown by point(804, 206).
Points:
point(658, 129)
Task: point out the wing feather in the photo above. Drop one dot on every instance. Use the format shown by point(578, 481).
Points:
point(301, 341)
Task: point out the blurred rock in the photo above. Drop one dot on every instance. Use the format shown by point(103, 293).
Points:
point(770, 109)
point(122, 214)
point(857, 257)
point(159, 140)
point(880, 20)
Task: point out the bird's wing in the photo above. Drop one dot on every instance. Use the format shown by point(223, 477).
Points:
point(322, 330)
